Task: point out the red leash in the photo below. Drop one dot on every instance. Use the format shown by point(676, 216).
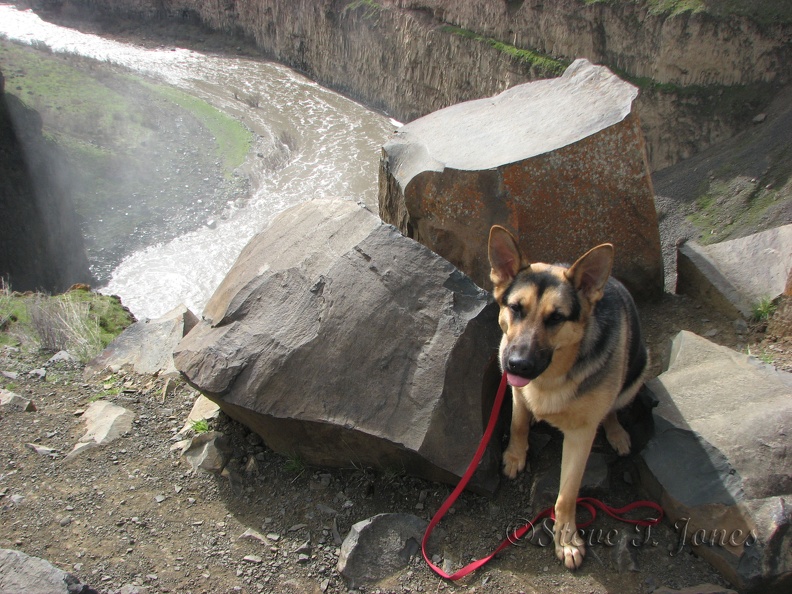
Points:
point(589, 503)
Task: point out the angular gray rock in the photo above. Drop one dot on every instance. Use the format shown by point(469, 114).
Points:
point(208, 452)
point(720, 462)
point(21, 573)
point(105, 422)
point(11, 401)
point(340, 341)
point(733, 276)
point(379, 547)
point(62, 357)
point(561, 162)
point(146, 346)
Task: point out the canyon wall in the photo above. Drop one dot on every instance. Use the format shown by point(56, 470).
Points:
point(41, 245)
point(702, 75)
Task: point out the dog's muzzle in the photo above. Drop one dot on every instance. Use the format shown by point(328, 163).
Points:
point(521, 368)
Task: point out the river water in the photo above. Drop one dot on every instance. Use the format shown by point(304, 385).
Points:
point(338, 152)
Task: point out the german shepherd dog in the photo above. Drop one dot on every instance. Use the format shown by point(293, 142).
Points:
point(573, 354)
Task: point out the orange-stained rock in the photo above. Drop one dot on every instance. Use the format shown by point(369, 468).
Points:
point(560, 162)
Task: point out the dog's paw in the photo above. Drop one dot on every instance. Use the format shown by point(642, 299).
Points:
point(571, 554)
point(513, 461)
point(619, 439)
point(569, 548)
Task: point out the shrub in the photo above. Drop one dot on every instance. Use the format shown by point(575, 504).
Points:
point(65, 324)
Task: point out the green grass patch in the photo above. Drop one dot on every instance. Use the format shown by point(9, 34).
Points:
point(763, 309)
point(764, 12)
point(546, 64)
point(95, 110)
point(295, 464)
point(675, 7)
point(80, 106)
point(80, 322)
point(728, 206)
point(762, 355)
point(232, 138)
point(372, 8)
point(134, 154)
point(200, 426)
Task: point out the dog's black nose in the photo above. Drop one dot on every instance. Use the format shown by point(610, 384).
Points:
point(527, 367)
point(520, 366)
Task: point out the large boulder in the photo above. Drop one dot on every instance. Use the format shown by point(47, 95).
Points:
point(734, 276)
point(341, 342)
point(720, 461)
point(560, 162)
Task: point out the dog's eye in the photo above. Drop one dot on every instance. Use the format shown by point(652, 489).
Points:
point(515, 308)
point(555, 318)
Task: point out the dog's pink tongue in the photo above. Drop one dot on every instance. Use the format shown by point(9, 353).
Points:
point(517, 381)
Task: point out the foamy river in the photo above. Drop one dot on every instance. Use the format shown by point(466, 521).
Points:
point(339, 143)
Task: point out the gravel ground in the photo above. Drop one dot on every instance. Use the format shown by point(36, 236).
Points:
point(132, 513)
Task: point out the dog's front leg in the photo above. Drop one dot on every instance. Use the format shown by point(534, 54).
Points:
point(569, 545)
point(517, 450)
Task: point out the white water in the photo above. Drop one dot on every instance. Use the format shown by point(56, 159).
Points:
point(338, 145)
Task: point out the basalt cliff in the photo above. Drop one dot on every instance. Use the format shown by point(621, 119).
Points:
point(41, 244)
point(704, 74)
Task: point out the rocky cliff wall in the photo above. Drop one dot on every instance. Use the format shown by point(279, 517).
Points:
point(41, 245)
point(702, 76)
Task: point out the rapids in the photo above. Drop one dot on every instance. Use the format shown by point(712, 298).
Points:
point(334, 147)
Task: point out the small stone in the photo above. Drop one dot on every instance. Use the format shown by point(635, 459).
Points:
point(253, 535)
point(61, 357)
point(252, 559)
point(273, 536)
point(625, 554)
point(39, 373)
point(42, 450)
point(160, 498)
point(65, 521)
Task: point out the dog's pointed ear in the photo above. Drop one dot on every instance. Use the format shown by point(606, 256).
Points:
point(504, 256)
point(590, 273)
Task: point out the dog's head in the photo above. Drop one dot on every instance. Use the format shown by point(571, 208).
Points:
point(544, 309)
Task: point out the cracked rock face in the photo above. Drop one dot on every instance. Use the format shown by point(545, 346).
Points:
point(560, 162)
point(340, 341)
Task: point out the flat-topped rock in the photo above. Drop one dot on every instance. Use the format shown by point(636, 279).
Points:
point(523, 122)
point(560, 162)
point(341, 341)
point(720, 462)
point(734, 276)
